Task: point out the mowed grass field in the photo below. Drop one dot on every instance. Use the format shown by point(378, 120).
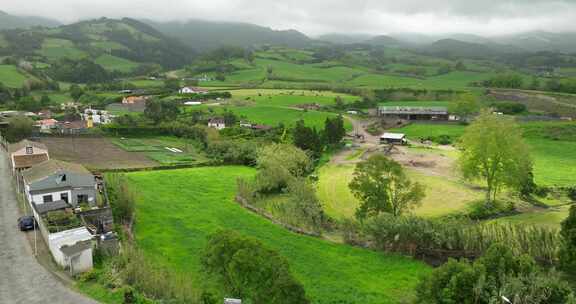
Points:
point(113, 63)
point(443, 196)
point(11, 77)
point(178, 209)
point(155, 149)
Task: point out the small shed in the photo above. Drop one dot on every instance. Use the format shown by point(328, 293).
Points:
point(393, 138)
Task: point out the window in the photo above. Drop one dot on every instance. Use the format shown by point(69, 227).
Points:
point(29, 150)
point(64, 197)
point(47, 198)
point(82, 198)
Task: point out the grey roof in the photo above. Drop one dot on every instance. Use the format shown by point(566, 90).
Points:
point(52, 206)
point(58, 174)
point(78, 247)
point(414, 110)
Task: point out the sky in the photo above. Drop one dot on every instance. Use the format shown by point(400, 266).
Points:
point(314, 17)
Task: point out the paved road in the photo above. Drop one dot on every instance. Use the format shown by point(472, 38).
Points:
point(22, 279)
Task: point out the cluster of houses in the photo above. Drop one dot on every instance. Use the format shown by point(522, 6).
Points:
point(219, 123)
point(67, 201)
point(46, 123)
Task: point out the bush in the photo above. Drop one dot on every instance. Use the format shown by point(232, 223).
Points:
point(499, 272)
point(249, 270)
point(571, 193)
point(481, 210)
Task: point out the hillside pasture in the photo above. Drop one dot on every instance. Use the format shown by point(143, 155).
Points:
point(11, 77)
point(178, 209)
point(54, 49)
point(443, 195)
point(113, 63)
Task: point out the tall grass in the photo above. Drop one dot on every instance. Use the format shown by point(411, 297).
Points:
point(418, 236)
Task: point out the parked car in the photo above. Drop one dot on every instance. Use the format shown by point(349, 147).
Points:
point(26, 223)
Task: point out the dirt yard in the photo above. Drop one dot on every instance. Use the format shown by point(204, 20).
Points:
point(95, 153)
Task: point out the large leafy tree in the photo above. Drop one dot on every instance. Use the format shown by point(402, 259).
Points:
point(161, 110)
point(280, 164)
point(334, 130)
point(465, 106)
point(568, 250)
point(307, 138)
point(249, 270)
point(494, 151)
point(382, 187)
point(19, 128)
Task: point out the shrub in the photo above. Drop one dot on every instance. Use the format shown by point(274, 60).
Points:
point(571, 193)
point(481, 210)
point(247, 269)
point(499, 272)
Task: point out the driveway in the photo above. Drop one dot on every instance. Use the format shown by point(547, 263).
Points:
point(22, 279)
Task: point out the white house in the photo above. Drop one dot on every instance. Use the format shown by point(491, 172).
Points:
point(53, 181)
point(217, 123)
point(192, 90)
point(393, 138)
point(97, 116)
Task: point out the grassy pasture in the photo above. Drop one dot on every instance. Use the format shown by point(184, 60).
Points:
point(11, 77)
point(114, 63)
point(177, 209)
point(554, 161)
point(443, 196)
point(55, 49)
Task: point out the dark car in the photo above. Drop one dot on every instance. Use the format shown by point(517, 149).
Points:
point(26, 223)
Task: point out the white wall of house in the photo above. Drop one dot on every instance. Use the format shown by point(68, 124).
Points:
point(39, 198)
point(71, 237)
point(218, 126)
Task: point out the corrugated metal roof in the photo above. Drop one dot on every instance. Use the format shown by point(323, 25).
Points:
point(392, 136)
point(414, 110)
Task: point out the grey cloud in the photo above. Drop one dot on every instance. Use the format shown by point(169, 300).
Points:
point(488, 17)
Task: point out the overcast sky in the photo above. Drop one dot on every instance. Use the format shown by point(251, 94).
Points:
point(485, 17)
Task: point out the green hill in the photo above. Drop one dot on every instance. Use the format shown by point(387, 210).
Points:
point(130, 40)
point(201, 34)
point(8, 21)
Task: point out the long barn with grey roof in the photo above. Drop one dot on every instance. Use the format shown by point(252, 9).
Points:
point(414, 113)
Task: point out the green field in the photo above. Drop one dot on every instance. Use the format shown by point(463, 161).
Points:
point(114, 63)
point(55, 49)
point(11, 77)
point(554, 161)
point(177, 209)
point(155, 149)
point(443, 196)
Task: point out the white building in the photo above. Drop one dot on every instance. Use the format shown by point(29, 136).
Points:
point(217, 123)
point(72, 249)
point(192, 90)
point(97, 116)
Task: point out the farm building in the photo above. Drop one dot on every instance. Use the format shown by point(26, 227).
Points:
point(393, 138)
point(134, 99)
point(192, 90)
point(414, 113)
point(217, 123)
point(46, 125)
point(53, 181)
point(98, 117)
